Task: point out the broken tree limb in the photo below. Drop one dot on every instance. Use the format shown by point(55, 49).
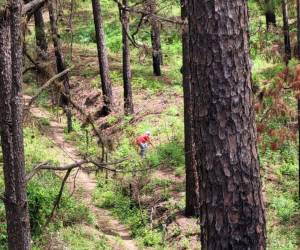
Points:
point(147, 13)
point(46, 85)
point(31, 5)
point(44, 166)
point(57, 201)
point(89, 120)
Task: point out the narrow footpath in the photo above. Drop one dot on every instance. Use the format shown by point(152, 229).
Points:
point(117, 234)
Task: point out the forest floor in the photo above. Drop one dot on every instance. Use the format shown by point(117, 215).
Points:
point(147, 208)
point(160, 194)
point(83, 184)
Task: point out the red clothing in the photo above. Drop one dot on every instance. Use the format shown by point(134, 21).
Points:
point(143, 139)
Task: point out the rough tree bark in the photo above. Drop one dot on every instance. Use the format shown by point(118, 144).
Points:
point(155, 40)
point(298, 29)
point(192, 184)
point(231, 204)
point(40, 35)
point(128, 102)
point(60, 65)
point(270, 13)
point(298, 101)
point(41, 43)
point(286, 32)
point(103, 60)
point(15, 198)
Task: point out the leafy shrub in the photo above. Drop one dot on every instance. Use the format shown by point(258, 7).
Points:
point(156, 183)
point(42, 193)
point(284, 206)
point(151, 238)
point(109, 195)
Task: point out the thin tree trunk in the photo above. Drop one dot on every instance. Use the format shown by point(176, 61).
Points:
point(155, 40)
point(128, 103)
point(286, 32)
point(231, 204)
point(41, 43)
point(60, 65)
point(15, 198)
point(270, 13)
point(192, 184)
point(40, 34)
point(103, 60)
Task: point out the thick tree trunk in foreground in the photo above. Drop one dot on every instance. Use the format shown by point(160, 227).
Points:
point(298, 29)
point(192, 184)
point(15, 199)
point(128, 103)
point(270, 13)
point(286, 32)
point(298, 101)
point(231, 204)
point(155, 40)
point(60, 65)
point(40, 34)
point(103, 60)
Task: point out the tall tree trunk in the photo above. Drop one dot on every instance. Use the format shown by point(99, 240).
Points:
point(270, 13)
point(128, 103)
point(40, 34)
point(231, 204)
point(155, 40)
point(15, 198)
point(192, 184)
point(298, 55)
point(60, 65)
point(286, 32)
point(103, 60)
point(298, 29)
point(41, 43)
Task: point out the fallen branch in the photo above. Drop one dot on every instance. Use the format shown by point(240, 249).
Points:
point(57, 201)
point(46, 85)
point(89, 120)
point(147, 13)
point(45, 166)
point(31, 5)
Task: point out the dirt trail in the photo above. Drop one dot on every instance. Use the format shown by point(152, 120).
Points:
point(118, 235)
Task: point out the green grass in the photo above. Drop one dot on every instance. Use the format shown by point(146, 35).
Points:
point(42, 191)
point(109, 195)
point(81, 238)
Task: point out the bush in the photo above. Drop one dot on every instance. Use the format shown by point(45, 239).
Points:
point(151, 238)
point(284, 207)
point(42, 193)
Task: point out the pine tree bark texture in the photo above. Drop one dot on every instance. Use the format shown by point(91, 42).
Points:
point(102, 57)
point(298, 29)
point(60, 65)
point(286, 31)
point(155, 40)
point(231, 204)
point(270, 13)
point(40, 35)
point(15, 198)
point(192, 184)
point(128, 102)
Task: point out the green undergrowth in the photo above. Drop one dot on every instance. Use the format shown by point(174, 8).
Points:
point(82, 238)
point(42, 191)
point(110, 195)
point(281, 185)
point(279, 160)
